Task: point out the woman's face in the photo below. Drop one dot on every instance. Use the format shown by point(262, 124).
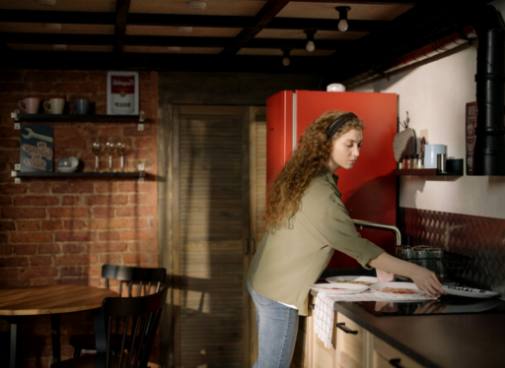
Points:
point(345, 150)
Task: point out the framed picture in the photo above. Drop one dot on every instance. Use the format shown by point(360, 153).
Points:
point(36, 148)
point(122, 93)
point(471, 124)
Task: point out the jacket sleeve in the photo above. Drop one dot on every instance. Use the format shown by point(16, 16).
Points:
point(323, 208)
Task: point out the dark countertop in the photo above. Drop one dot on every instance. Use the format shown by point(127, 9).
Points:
point(446, 341)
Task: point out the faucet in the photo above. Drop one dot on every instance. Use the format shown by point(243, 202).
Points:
point(398, 235)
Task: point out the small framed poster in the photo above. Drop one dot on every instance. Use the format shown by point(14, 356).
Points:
point(36, 148)
point(122, 93)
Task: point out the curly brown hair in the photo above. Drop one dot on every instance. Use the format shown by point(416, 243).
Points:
point(310, 159)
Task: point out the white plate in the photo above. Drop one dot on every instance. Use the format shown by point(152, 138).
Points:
point(469, 292)
point(341, 288)
point(400, 290)
point(353, 279)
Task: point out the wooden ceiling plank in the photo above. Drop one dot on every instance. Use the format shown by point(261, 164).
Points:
point(122, 9)
point(264, 16)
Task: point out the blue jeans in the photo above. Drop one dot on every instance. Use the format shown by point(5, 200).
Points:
point(277, 329)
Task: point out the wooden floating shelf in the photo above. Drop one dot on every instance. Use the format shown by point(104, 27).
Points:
point(89, 118)
point(83, 175)
point(426, 172)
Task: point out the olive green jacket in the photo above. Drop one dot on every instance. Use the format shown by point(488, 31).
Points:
point(290, 259)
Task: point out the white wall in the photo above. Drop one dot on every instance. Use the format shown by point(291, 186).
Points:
point(435, 95)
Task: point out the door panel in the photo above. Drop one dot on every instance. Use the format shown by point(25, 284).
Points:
point(211, 230)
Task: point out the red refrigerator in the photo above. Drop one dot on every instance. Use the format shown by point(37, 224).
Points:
point(369, 189)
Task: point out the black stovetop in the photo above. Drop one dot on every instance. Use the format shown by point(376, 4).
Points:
point(446, 304)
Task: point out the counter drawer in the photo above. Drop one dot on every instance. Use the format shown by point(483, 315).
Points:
point(385, 356)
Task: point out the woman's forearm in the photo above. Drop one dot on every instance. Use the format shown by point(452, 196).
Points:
point(388, 263)
point(425, 279)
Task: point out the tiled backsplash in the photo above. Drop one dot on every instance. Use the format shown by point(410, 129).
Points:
point(475, 245)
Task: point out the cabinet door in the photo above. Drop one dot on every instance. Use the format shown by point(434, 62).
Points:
point(322, 356)
point(385, 356)
point(351, 347)
point(318, 355)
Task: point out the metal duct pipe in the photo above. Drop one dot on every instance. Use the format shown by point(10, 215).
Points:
point(489, 152)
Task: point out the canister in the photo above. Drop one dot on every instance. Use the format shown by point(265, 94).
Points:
point(430, 154)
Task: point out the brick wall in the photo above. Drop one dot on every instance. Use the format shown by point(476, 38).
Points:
point(62, 231)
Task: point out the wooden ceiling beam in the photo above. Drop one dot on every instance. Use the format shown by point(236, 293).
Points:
point(264, 16)
point(122, 10)
point(93, 39)
point(63, 17)
point(175, 20)
point(138, 61)
point(370, 2)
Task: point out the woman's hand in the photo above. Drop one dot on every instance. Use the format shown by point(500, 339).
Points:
point(425, 280)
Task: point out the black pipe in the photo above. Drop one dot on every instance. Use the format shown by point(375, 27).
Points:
point(489, 151)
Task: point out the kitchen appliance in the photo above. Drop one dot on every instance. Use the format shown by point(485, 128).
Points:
point(369, 189)
point(426, 256)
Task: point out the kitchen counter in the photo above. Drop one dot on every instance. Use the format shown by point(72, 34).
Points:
point(459, 341)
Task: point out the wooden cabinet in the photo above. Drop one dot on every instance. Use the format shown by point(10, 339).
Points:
point(385, 356)
point(315, 354)
point(352, 347)
point(349, 347)
point(352, 344)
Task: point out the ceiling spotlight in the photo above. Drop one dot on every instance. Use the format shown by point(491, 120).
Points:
point(197, 4)
point(310, 46)
point(286, 61)
point(343, 24)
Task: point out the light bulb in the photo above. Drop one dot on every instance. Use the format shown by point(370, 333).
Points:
point(343, 25)
point(310, 46)
point(286, 61)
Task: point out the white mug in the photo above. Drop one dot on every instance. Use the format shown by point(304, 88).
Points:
point(54, 105)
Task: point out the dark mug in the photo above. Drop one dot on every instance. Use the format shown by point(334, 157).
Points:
point(81, 106)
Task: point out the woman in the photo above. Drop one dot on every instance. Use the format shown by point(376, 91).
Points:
point(306, 222)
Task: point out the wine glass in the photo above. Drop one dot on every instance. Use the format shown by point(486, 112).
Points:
point(97, 148)
point(110, 149)
point(121, 149)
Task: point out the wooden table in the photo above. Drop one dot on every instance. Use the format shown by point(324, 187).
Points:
point(51, 300)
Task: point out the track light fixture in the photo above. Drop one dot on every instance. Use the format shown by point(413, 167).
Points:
point(343, 24)
point(310, 46)
point(286, 61)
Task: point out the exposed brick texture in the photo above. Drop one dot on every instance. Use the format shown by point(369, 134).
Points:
point(62, 231)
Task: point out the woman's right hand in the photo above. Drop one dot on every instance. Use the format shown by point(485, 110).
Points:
point(426, 280)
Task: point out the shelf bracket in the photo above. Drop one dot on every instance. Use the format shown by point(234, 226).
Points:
point(15, 115)
point(14, 174)
point(142, 118)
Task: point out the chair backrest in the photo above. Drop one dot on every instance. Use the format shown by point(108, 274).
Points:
point(132, 280)
point(125, 329)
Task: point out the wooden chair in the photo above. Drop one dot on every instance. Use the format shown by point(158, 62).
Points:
point(128, 281)
point(125, 332)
